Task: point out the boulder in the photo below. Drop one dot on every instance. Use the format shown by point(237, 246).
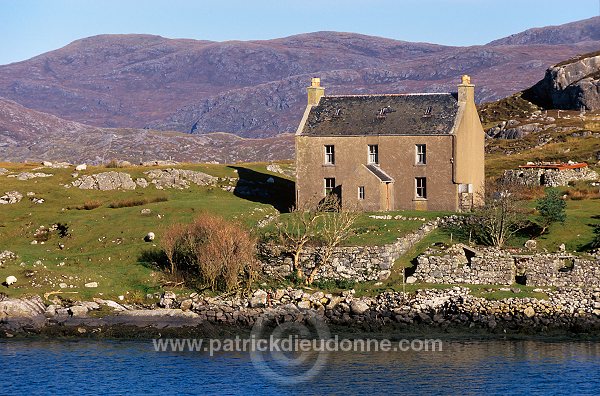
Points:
point(531, 244)
point(81, 167)
point(359, 307)
point(11, 197)
point(91, 284)
point(529, 312)
point(78, 311)
point(105, 181)
point(258, 299)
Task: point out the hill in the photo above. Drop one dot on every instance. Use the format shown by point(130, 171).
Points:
point(574, 32)
point(28, 135)
point(256, 88)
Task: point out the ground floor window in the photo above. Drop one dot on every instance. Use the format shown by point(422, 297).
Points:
point(361, 192)
point(329, 185)
point(421, 187)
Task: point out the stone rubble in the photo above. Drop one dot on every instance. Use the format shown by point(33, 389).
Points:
point(30, 175)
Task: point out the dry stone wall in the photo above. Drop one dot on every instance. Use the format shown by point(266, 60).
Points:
point(357, 263)
point(461, 264)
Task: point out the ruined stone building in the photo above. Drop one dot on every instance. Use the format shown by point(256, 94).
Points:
point(391, 151)
point(549, 174)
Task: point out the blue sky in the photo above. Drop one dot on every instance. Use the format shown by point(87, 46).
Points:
point(31, 27)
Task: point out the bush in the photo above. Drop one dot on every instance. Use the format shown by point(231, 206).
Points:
point(127, 203)
point(216, 253)
point(87, 205)
point(113, 164)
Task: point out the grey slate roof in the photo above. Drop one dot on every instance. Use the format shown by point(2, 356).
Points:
point(381, 175)
point(394, 114)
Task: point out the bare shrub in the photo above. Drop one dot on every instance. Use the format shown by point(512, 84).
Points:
point(221, 254)
point(502, 216)
point(336, 226)
point(170, 240)
point(300, 228)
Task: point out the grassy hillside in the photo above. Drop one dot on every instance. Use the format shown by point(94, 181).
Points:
point(103, 231)
point(105, 241)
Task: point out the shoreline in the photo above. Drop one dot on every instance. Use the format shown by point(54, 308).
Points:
point(567, 313)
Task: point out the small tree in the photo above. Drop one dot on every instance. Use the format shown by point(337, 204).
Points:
point(336, 227)
point(297, 231)
point(500, 217)
point(551, 209)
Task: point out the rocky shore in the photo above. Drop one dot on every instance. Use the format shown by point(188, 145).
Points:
point(569, 312)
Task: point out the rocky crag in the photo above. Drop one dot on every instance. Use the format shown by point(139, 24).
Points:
point(569, 85)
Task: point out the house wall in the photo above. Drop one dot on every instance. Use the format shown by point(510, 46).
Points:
point(397, 157)
point(469, 144)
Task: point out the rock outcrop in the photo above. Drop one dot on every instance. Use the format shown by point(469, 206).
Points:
point(570, 85)
point(106, 181)
point(11, 197)
point(178, 178)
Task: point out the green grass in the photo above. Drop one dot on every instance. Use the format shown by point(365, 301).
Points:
point(105, 245)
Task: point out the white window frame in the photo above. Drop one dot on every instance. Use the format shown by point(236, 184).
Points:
point(373, 151)
point(361, 192)
point(420, 187)
point(329, 189)
point(421, 154)
point(329, 156)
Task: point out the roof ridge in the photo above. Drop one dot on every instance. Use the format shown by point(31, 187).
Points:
point(389, 94)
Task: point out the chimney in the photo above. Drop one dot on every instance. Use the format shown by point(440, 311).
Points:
point(466, 90)
point(315, 91)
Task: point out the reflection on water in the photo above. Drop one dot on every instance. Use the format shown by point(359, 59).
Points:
point(132, 367)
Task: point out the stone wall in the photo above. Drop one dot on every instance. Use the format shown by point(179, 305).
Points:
point(558, 270)
point(461, 264)
point(548, 177)
point(356, 263)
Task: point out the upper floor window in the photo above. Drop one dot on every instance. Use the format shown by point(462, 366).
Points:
point(421, 187)
point(373, 154)
point(421, 154)
point(329, 155)
point(329, 185)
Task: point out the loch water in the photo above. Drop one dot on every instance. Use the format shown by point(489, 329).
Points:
point(119, 367)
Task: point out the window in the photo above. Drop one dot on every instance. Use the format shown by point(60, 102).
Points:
point(421, 190)
point(373, 154)
point(421, 154)
point(329, 155)
point(361, 192)
point(329, 185)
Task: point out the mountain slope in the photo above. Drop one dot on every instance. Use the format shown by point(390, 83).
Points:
point(574, 32)
point(255, 88)
point(28, 135)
